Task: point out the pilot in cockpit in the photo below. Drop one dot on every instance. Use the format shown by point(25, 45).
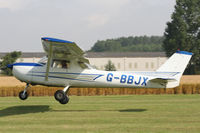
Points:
point(60, 64)
point(64, 64)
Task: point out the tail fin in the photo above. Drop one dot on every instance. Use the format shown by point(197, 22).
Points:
point(176, 63)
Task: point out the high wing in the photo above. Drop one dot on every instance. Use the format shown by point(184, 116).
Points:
point(61, 49)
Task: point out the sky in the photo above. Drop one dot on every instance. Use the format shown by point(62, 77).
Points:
point(24, 22)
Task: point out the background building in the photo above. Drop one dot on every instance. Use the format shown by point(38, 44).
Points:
point(128, 61)
point(123, 61)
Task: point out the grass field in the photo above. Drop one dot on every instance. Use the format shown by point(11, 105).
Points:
point(102, 114)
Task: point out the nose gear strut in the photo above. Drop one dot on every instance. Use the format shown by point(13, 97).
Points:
point(23, 95)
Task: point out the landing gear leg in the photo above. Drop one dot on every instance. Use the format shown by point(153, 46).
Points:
point(23, 95)
point(61, 95)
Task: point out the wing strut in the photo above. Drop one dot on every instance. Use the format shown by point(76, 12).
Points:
point(49, 61)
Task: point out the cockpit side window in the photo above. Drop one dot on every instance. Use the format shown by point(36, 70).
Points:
point(60, 64)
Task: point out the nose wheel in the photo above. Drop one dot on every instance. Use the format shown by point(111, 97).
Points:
point(61, 95)
point(23, 95)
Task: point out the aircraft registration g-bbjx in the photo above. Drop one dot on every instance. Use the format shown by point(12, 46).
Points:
point(65, 66)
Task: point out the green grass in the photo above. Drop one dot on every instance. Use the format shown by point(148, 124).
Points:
point(102, 114)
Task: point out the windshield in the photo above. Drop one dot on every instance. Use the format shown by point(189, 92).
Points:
point(89, 66)
point(43, 60)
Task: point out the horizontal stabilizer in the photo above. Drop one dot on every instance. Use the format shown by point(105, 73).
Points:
point(166, 82)
point(162, 80)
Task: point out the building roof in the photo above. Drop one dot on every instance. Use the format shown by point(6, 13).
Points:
point(99, 54)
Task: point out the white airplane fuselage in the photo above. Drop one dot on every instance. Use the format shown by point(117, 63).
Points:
point(75, 76)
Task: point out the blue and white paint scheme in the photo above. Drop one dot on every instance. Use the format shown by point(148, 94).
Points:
point(66, 66)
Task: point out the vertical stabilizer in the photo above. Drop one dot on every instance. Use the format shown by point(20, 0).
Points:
point(176, 63)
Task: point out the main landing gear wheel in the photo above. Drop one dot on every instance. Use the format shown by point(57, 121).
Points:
point(61, 95)
point(23, 95)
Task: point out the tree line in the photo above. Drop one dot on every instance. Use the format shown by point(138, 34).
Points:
point(130, 44)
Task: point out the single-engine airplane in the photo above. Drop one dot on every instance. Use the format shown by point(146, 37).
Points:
point(65, 66)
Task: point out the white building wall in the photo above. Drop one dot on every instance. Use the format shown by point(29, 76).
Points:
point(130, 64)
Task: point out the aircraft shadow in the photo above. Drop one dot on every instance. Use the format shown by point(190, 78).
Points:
point(123, 110)
point(19, 110)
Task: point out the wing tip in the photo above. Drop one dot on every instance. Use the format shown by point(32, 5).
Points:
point(50, 39)
point(184, 52)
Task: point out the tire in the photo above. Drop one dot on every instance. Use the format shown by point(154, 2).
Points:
point(23, 96)
point(59, 95)
point(65, 100)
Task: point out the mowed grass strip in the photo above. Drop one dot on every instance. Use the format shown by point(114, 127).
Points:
point(102, 114)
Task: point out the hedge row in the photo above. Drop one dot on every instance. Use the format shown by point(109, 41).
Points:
point(49, 91)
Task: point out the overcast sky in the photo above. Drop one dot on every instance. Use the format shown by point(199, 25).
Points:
point(24, 22)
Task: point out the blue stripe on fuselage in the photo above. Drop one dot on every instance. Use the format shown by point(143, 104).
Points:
point(97, 75)
point(69, 73)
point(62, 78)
